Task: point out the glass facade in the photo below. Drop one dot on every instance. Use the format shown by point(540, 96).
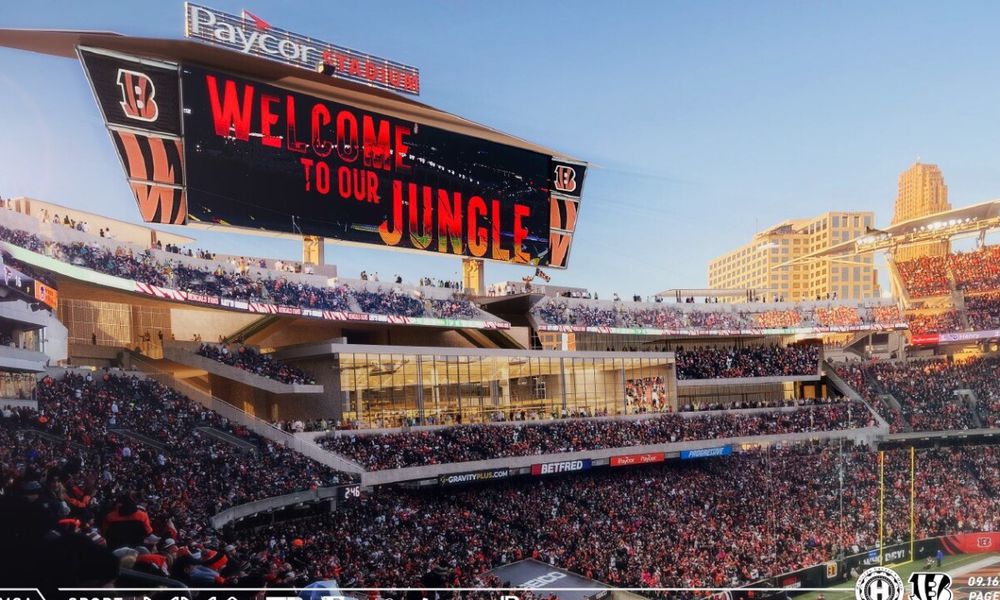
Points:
point(392, 390)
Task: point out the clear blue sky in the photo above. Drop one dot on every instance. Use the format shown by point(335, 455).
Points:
point(705, 120)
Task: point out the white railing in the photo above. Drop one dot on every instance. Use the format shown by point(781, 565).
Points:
point(222, 518)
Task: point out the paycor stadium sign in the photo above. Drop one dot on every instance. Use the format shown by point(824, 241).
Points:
point(249, 34)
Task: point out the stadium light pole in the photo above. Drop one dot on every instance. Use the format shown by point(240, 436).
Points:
point(913, 501)
point(881, 506)
point(840, 493)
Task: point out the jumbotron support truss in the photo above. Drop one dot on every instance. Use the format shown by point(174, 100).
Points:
point(970, 220)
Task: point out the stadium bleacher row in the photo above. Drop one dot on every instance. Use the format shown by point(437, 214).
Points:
point(925, 391)
point(719, 362)
point(974, 275)
point(581, 312)
point(701, 524)
point(222, 280)
point(251, 360)
point(482, 442)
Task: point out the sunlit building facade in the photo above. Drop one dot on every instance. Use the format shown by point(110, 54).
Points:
point(922, 192)
point(758, 264)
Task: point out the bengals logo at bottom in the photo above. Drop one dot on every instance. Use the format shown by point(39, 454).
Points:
point(879, 583)
point(931, 586)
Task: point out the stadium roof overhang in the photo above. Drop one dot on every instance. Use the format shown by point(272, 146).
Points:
point(930, 228)
point(64, 43)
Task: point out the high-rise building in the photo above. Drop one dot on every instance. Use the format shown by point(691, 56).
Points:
point(755, 265)
point(922, 192)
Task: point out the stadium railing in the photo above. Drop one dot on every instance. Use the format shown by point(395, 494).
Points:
point(223, 518)
point(252, 423)
point(863, 435)
point(185, 353)
point(830, 370)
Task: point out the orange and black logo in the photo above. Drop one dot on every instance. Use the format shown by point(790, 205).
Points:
point(565, 179)
point(154, 168)
point(138, 94)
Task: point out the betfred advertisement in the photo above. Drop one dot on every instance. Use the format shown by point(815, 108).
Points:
point(263, 157)
point(629, 460)
point(565, 466)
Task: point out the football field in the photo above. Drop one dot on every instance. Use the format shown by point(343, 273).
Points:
point(961, 568)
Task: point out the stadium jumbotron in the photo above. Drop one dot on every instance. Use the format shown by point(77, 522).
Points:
point(194, 415)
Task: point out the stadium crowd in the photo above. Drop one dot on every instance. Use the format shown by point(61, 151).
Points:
point(581, 312)
point(925, 276)
point(79, 513)
point(937, 322)
point(693, 525)
point(238, 282)
point(974, 271)
point(480, 442)
point(7, 259)
point(249, 359)
point(983, 311)
point(124, 460)
point(715, 362)
point(925, 391)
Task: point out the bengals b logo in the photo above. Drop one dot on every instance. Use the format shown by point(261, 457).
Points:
point(565, 179)
point(137, 95)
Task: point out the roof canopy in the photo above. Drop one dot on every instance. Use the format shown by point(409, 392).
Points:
point(64, 43)
point(939, 226)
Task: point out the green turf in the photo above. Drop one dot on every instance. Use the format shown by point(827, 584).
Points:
point(950, 562)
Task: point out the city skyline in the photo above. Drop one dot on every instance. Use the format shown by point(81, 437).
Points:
point(735, 123)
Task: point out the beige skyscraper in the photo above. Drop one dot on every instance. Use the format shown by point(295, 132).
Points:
point(922, 192)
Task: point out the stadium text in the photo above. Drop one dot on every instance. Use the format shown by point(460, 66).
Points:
point(256, 37)
point(344, 152)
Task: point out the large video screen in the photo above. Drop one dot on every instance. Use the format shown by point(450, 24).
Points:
point(263, 157)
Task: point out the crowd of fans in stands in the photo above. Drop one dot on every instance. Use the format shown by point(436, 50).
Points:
point(124, 460)
point(480, 442)
point(975, 271)
point(27, 269)
point(79, 513)
point(238, 282)
point(983, 311)
point(935, 322)
point(559, 311)
point(454, 308)
point(249, 359)
point(925, 276)
point(692, 525)
point(925, 391)
point(714, 362)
